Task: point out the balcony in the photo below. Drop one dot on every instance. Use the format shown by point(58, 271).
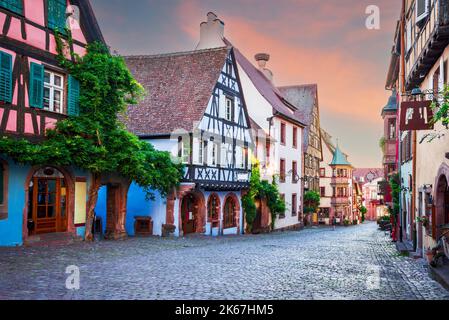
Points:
point(340, 180)
point(217, 178)
point(340, 201)
point(429, 44)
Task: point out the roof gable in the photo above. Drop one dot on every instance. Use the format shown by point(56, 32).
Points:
point(179, 87)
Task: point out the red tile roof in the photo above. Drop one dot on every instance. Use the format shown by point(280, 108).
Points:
point(179, 87)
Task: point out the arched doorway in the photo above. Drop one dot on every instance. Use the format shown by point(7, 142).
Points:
point(231, 210)
point(213, 210)
point(442, 202)
point(47, 202)
point(189, 212)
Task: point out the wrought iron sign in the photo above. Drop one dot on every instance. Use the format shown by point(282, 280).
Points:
point(416, 115)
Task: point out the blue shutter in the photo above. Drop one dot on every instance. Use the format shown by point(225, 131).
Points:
point(13, 5)
point(5, 77)
point(73, 105)
point(36, 90)
point(57, 15)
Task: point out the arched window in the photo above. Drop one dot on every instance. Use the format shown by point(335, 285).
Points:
point(213, 208)
point(229, 213)
point(3, 191)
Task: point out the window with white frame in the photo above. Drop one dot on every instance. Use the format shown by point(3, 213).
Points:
point(53, 92)
point(185, 149)
point(422, 9)
point(213, 153)
point(229, 110)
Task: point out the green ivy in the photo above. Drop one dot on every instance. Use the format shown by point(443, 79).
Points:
point(442, 108)
point(395, 184)
point(97, 140)
point(312, 201)
point(262, 190)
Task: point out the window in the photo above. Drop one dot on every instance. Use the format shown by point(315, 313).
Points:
point(409, 35)
point(229, 109)
point(295, 137)
point(5, 77)
point(57, 15)
point(422, 9)
point(53, 92)
point(184, 149)
point(323, 191)
point(392, 129)
point(229, 68)
point(229, 215)
point(436, 81)
point(294, 172)
point(294, 204)
point(322, 173)
point(283, 139)
point(213, 151)
point(446, 72)
point(282, 170)
point(213, 208)
point(15, 6)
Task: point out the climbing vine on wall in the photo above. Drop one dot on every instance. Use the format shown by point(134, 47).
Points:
point(96, 140)
point(263, 190)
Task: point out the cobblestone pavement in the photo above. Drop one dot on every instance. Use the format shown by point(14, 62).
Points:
point(311, 264)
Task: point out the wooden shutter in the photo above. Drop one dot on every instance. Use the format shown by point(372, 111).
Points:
point(36, 85)
point(73, 106)
point(56, 15)
point(13, 5)
point(5, 77)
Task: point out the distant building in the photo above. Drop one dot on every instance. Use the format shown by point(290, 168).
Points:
point(305, 98)
point(336, 184)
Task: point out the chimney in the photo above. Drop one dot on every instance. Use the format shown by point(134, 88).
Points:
point(262, 59)
point(211, 33)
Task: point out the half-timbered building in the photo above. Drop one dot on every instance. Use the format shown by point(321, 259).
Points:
point(195, 110)
point(34, 94)
point(279, 128)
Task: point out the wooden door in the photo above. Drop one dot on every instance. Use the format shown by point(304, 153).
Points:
point(49, 208)
point(188, 214)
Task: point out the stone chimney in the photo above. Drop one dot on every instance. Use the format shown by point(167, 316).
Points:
point(211, 33)
point(262, 59)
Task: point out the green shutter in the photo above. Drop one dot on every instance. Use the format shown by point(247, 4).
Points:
point(5, 77)
point(13, 5)
point(73, 105)
point(57, 15)
point(36, 91)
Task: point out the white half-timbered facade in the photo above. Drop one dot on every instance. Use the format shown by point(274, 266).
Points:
point(196, 111)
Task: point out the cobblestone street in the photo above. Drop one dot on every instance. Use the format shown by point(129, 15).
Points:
point(312, 264)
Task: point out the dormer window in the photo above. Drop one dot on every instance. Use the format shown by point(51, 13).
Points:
point(15, 6)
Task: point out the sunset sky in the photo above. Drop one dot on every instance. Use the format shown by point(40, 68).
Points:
point(324, 42)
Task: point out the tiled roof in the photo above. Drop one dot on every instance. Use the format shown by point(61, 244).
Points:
point(178, 86)
point(304, 98)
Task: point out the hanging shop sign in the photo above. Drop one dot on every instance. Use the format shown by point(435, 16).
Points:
point(416, 115)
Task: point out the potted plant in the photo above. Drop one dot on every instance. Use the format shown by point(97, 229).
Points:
point(346, 222)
